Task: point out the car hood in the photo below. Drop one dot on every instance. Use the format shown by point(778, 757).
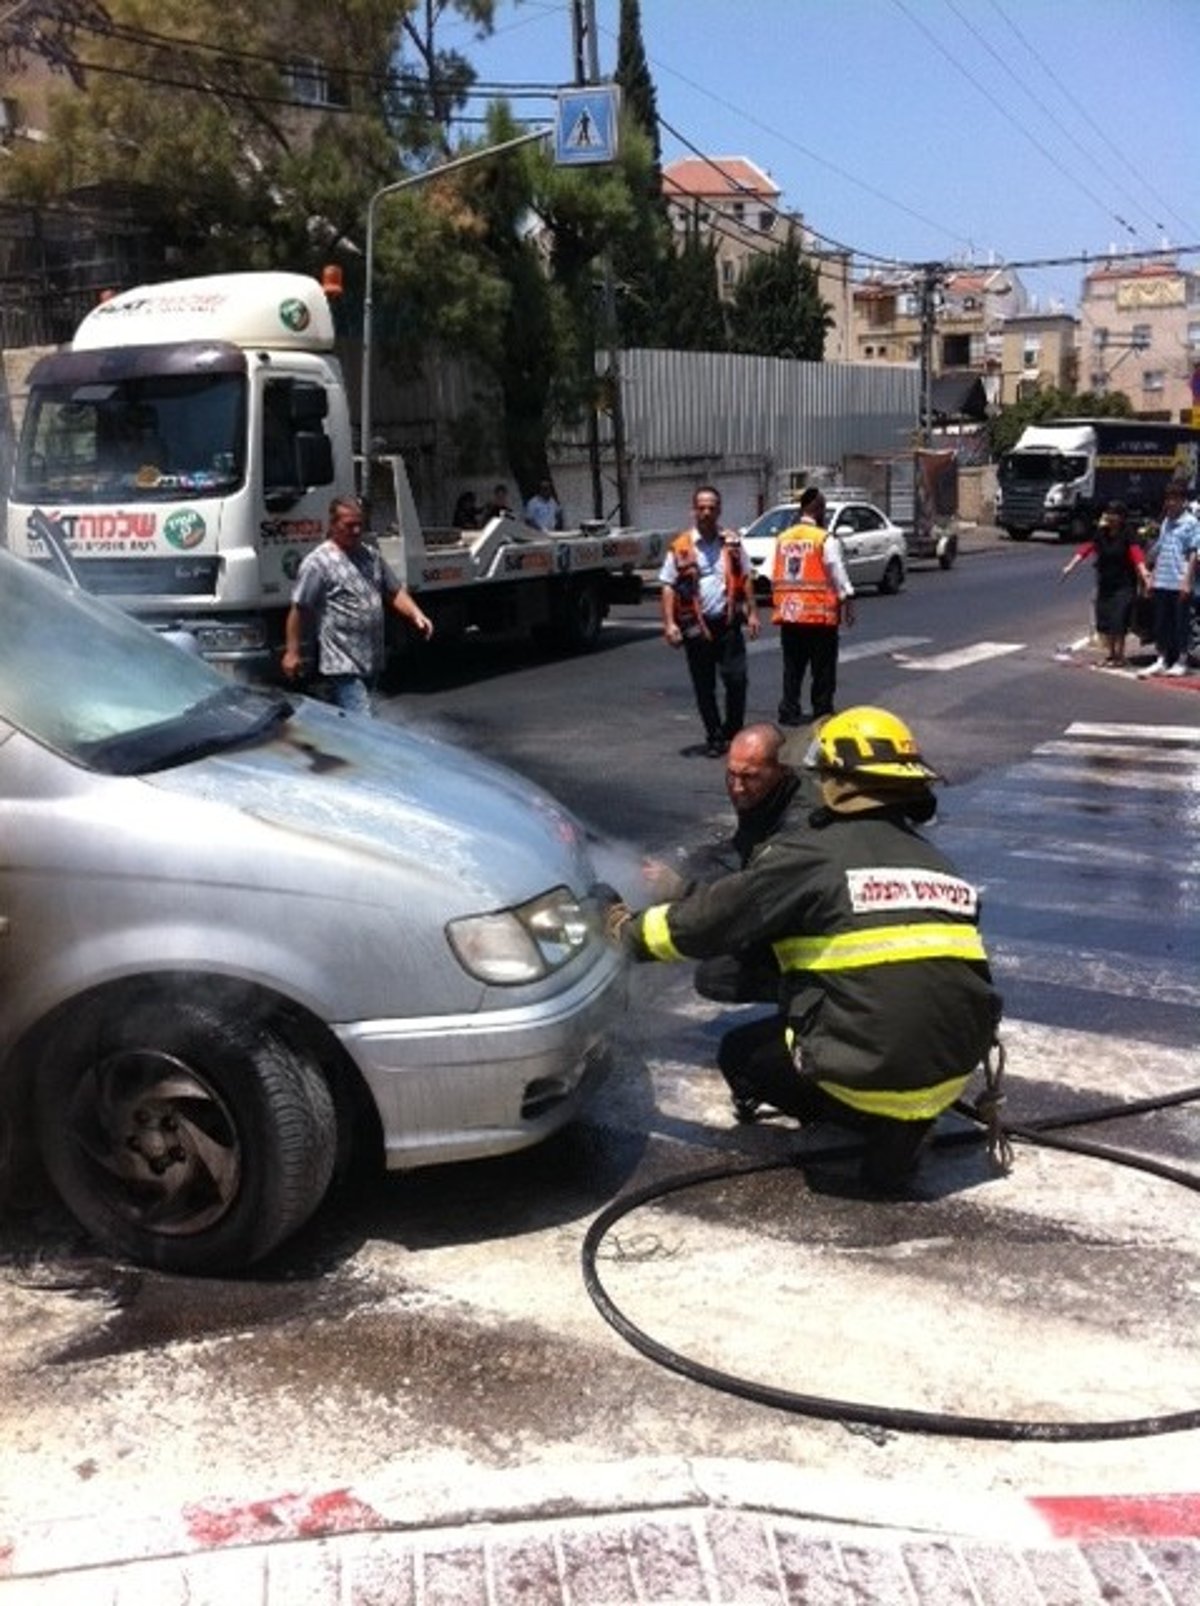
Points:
point(398, 795)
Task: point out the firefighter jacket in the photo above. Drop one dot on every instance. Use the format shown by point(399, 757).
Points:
point(884, 982)
point(689, 615)
point(802, 590)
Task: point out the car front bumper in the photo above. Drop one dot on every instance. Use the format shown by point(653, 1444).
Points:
point(461, 1087)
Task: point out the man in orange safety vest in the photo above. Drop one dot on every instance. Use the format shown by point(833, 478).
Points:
point(811, 596)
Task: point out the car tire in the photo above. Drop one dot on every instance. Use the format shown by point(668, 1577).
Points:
point(181, 1134)
point(948, 554)
point(892, 578)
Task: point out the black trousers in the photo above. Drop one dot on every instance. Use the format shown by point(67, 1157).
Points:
point(722, 652)
point(811, 648)
point(755, 1062)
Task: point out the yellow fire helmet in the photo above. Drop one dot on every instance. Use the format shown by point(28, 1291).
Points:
point(869, 742)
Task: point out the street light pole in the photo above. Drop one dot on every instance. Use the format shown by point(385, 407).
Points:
point(413, 179)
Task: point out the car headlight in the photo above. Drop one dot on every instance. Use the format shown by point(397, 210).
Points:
point(523, 944)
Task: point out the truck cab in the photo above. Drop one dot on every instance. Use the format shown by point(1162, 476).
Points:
point(187, 446)
point(1043, 482)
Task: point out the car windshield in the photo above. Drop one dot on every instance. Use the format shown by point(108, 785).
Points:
point(141, 439)
point(105, 691)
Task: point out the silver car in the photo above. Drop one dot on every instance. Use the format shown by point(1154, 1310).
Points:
point(873, 547)
point(239, 932)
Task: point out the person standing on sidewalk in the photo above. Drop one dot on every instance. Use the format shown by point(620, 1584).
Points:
point(1120, 566)
point(708, 608)
point(1178, 540)
point(340, 593)
point(811, 596)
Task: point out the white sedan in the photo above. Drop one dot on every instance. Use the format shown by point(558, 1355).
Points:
point(873, 548)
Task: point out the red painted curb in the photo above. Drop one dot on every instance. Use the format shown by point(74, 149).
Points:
point(1150, 1516)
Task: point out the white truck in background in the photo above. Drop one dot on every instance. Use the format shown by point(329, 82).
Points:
point(188, 443)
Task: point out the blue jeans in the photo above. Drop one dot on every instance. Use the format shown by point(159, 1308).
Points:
point(348, 692)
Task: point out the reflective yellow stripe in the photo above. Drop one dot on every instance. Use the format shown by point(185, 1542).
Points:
point(656, 934)
point(918, 1104)
point(880, 945)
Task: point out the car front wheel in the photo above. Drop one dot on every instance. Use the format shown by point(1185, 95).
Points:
point(184, 1135)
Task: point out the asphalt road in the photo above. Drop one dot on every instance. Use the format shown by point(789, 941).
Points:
point(437, 1324)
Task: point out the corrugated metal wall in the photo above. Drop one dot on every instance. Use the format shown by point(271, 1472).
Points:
point(681, 404)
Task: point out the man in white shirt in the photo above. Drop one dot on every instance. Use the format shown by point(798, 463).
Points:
point(544, 510)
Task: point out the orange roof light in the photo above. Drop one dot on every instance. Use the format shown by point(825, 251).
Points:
point(331, 279)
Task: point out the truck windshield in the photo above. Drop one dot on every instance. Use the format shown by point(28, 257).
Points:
point(1042, 468)
point(150, 438)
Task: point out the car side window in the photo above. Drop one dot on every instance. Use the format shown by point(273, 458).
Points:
point(846, 522)
point(869, 519)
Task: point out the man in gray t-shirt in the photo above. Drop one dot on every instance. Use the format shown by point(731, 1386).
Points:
point(341, 589)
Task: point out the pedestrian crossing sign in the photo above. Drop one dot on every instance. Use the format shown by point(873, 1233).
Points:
point(586, 128)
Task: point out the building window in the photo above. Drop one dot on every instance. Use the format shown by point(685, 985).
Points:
point(1139, 336)
point(1154, 379)
point(766, 220)
point(914, 351)
point(1193, 335)
point(727, 273)
point(956, 351)
point(868, 351)
point(309, 83)
point(1031, 355)
point(739, 211)
point(908, 305)
point(1099, 337)
point(1099, 380)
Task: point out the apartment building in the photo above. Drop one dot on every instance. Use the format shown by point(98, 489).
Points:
point(735, 204)
point(970, 309)
point(1039, 351)
point(1139, 332)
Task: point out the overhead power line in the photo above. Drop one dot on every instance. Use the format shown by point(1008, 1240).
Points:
point(1065, 90)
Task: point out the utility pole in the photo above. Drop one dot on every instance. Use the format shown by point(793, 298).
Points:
point(930, 276)
point(587, 71)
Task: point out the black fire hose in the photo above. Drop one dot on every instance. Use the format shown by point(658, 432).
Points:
point(1045, 1134)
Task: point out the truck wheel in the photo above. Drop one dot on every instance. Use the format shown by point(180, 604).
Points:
point(948, 553)
point(584, 608)
point(181, 1136)
point(1014, 534)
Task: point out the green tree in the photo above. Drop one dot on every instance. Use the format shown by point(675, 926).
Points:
point(1044, 406)
point(693, 317)
point(777, 310)
point(643, 256)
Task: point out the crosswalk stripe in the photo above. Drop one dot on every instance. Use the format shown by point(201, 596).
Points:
point(962, 657)
point(849, 651)
point(1154, 734)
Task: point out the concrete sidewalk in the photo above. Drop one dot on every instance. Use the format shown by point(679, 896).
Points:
point(717, 1532)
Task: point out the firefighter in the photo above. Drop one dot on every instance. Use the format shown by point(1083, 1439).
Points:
point(886, 1004)
point(707, 597)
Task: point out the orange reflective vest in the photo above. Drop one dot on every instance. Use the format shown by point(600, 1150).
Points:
point(688, 613)
point(801, 591)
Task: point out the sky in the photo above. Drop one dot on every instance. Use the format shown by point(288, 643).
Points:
point(918, 130)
